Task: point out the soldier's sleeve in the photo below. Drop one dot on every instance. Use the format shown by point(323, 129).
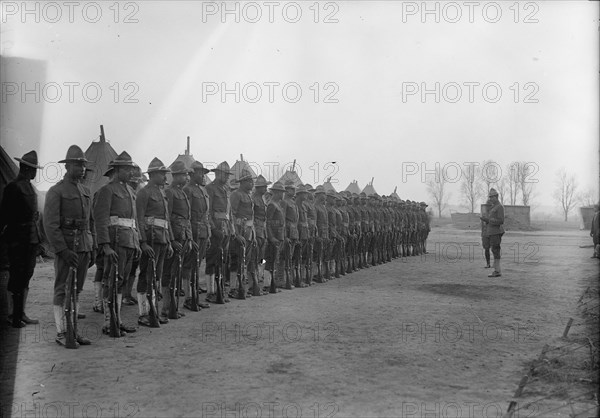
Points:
point(5, 214)
point(102, 214)
point(52, 221)
point(235, 203)
point(141, 202)
point(169, 196)
point(211, 199)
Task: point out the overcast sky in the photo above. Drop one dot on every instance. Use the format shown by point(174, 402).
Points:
point(370, 61)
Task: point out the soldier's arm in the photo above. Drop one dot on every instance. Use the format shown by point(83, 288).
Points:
point(141, 202)
point(102, 215)
point(52, 221)
point(6, 214)
point(211, 199)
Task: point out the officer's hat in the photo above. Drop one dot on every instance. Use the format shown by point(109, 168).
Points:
point(74, 155)
point(224, 167)
point(261, 181)
point(290, 185)
point(493, 192)
point(178, 167)
point(301, 189)
point(309, 188)
point(198, 166)
point(30, 159)
point(423, 204)
point(278, 186)
point(157, 165)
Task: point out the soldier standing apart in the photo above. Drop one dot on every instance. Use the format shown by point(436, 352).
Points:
point(116, 231)
point(155, 237)
point(495, 229)
point(69, 226)
point(221, 228)
point(257, 267)
point(242, 212)
point(485, 238)
point(19, 233)
point(275, 234)
point(182, 243)
point(200, 204)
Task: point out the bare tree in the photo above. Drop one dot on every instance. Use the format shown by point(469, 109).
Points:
point(502, 188)
point(588, 198)
point(526, 176)
point(471, 186)
point(512, 182)
point(438, 191)
point(564, 194)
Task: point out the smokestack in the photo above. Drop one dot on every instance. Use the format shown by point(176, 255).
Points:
point(187, 151)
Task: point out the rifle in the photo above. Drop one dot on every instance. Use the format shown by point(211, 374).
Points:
point(194, 282)
point(241, 274)
point(71, 301)
point(114, 328)
point(175, 286)
point(273, 287)
point(288, 264)
point(255, 286)
point(218, 275)
point(151, 286)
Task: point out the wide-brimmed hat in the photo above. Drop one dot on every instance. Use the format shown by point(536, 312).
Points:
point(30, 159)
point(122, 160)
point(301, 189)
point(320, 190)
point(178, 167)
point(277, 186)
point(198, 166)
point(290, 185)
point(423, 204)
point(309, 188)
point(224, 167)
point(157, 165)
point(492, 192)
point(261, 181)
point(74, 155)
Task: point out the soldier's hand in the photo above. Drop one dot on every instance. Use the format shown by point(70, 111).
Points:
point(148, 250)
point(69, 256)
point(137, 252)
point(110, 253)
point(195, 246)
point(188, 246)
point(169, 251)
point(274, 241)
point(177, 247)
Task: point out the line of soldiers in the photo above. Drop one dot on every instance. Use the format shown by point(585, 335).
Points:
point(299, 235)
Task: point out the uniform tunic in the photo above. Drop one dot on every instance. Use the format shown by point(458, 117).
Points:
point(219, 217)
point(19, 231)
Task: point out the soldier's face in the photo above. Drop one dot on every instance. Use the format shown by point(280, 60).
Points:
point(247, 185)
point(76, 170)
point(198, 177)
point(494, 199)
point(180, 179)
point(124, 174)
point(221, 176)
point(289, 192)
point(260, 190)
point(159, 178)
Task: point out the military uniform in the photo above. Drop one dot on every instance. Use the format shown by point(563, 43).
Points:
point(179, 215)
point(200, 206)
point(116, 226)
point(242, 212)
point(260, 227)
point(322, 239)
point(221, 228)
point(69, 226)
point(20, 234)
point(291, 249)
point(495, 230)
point(275, 235)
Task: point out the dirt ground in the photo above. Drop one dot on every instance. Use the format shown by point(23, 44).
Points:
point(421, 336)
